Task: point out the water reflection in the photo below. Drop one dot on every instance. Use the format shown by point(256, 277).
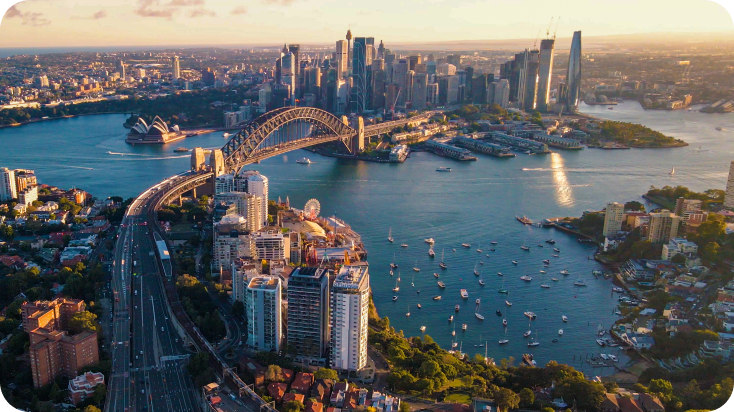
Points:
point(564, 195)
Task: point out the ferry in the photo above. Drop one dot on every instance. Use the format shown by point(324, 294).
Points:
point(464, 294)
point(430, 241)
point(437, 298)
point(181, 150)
point(524, 220)
point(304, 161)
point(443, 169)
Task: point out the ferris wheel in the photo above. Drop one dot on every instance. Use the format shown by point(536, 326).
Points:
point(312, 209)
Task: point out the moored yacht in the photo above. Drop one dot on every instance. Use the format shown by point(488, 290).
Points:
point(304, 161)
point(441, 284)
point(464, 294)
point(564, 318)
point(430, 241)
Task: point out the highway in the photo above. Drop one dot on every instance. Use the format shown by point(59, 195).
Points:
point(148, 356)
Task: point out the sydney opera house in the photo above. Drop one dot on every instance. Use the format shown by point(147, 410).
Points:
point(157, 132)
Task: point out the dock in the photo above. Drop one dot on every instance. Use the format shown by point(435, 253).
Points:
point(447, 150)
point(480, 146)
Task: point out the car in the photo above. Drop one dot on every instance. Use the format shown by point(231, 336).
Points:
point(161, 328)
point(141, 352)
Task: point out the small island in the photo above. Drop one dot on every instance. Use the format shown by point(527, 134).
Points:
point(613, 134)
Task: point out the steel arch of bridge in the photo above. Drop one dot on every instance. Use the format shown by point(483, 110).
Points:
point(247, 145)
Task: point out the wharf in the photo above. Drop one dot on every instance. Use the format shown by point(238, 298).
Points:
point(352, 157)
point(480, 146)
point(582, 237)
point(447, 150)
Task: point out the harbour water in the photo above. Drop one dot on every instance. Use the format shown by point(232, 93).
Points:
point(476, 202)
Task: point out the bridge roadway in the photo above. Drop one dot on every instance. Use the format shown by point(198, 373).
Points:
point(147, 372)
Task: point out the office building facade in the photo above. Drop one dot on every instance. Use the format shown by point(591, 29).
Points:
point(573, 77)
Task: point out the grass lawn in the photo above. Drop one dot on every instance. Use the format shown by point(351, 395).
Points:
point(463, 398)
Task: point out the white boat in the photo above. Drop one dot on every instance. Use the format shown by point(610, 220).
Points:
point(394, 298)
point(542, 271)
point(494, 242)
point(415, 268)
point(564, 272)
point(456, 308)
point(304, 161)
point(476, 272)
point(479, 248)
point(477, 301)
point(504, 322)
point(508, 303)
point(579, 282)
point(430, 241)
point(554, 279)
point(464, 294)
point(672, 171)
point(423, 328)
point(419, 306)
point(466, 245)
point(533, 343)
point(555, 249)
point(431, 253)
point(523, 247)
point(526, 278)
point(544, 286)
point(389, 236)
point(527, 333)
point(463, 326)
point(435, 275)
point(481, 282)
point(479, 316)
point(514, 262)
point(564, 318)
point(396, 288)
point(437, 298)
point(441, 284)
point(505, 340)
point(451, 318)
point(225, 135)
point(391, 272)
point(404, 245)
point(601, 342)
point(560, 332)
point(530, 314)
point(442, 265)
point(499, 274)
point(443, 169)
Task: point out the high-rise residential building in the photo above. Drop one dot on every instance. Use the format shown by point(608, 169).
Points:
point(231, 242)
point(264, 312)
point(24, 179)
point(683, 205)
point(198, 159)
point(224, 184)
point(52, 315)
point(308, 312)
point(349, 316)
point(176, 66)
point(121, 69)
point(433, 94)
point(728, 198)
point(242, 273)
point(420, 90)
point(342, 56)
point(248, 206)
point(573, 77)
point(8, 188)
point(256, 184)
point(502, 93)
point(545, 72)
point(663, 226)
point(272, 245)
point(28, 195)
point(613, 219)
point(409, 78)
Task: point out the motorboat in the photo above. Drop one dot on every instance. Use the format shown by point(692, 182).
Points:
point(617, 289)
point(451, 318)
point(391, 272)
point(554, 279)
point(601, 342)
point(481, 282)
point(481, 263)
point(542, 271)
point(546, 261)
point(443, 169)
point(504, 322)
point(416, 268)
point(437, 298)
point(464, 294)
point(389, 236)
point(431, 253)
point(435, 275)
point(441, 284)
point(514, 262)
point(423, 328)
point(304, 161)
point(494, 242)
point(466, 245)
point(526, 278)
point(499, 274)
point(525, 248)
point(565, 272)
point(498, 312)
point(491, 249)
point(394, 298)
point(404, 245)
point(419, 306)
point(479, 315)
point(540, 245)
point(477, 301)
point(508, 303)
point(463, 326)
point(551, 241)
point(560, 332)
point(456, 308)
point(555, 249)
point(544, 286)
point(555, 256)
point(564, 318)
point(554, 340)
point(181, 150)
point(430, 241)
point(530, 314)
point(528, 333)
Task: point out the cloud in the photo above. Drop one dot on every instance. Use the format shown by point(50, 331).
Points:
point(279, 2)
point(99, 15)
point(27, 18)
point(184, 3)
point(238, 10)
point(201, 13)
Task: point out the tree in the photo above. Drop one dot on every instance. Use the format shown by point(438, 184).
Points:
point(92, 408)
point(198, 364)
point(506, 399)
point(293, 406)
point(678, 259)
point(325, 373)
point(274, 373)
point(82, 321)
point(527, 397)
point(710, 251)
point(588, 395)
point(634, 206)
point(404, 407)
point(238, 308)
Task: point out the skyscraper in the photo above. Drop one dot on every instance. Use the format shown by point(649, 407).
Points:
point(420, 89)
point(121, 69)
point(342, 56)
point(573, 78)
point(413, 61)
point(360, 55)
point(728, 199)
point(176, 67)
point(308, 311)
point(399, 72)
point(532, 65)
point(381, 51)
point(613, 219)
point(349, 309)
point(379, 79)
point(293, 49)
point(502, 93)
point(663, 226)
point(545, 72)
point(252, 182)
point(264, 313)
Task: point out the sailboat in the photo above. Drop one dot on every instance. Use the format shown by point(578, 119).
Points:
point(672, 171)
point(504, 322)
point(389, 236)
point(505, 340)
point(396, 288)
point(502, 288)
point(393, 264)
point(408, 312)
point(523, 247)
point(415, 268)
point(442, 265)
point(528, 332)
point(579, 281)
point(476, 312)
point(453, 332)
point(542, 278)
point(533, 342)
point(476, 272)
point(479, 248)
point(412, 281)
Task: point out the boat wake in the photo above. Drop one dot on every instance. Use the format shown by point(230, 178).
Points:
point(76, 167)
point(125, 154)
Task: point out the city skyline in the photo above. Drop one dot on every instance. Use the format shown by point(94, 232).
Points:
point(42, 23)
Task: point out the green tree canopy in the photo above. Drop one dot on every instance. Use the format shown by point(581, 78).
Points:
point(325, 373)
point(82, 321)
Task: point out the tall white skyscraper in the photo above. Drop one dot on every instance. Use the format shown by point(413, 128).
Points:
point(342, 58)
point(613, 219)
point(7, 184)
point(257, 185)
point(263, 309)
point(248, 206)
point(349, 309)
point(729, 198)
point(176, 67)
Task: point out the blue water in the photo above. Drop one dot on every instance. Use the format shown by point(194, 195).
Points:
point(476, 202)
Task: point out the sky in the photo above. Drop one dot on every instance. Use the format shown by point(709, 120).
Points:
point(80, 23)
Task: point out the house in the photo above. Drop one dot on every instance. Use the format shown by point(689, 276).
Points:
point(609, 404)
point(650, 403)
point(483, 405)
point(15, 262)
point(276, 391)
point(302, 383)
point(82, 386)
point(314, 406)
point(321, 390)
point(628, 405)
point(351, 400)
point(291, 397)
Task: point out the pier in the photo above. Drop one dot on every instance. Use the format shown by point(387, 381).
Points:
point(480, 146)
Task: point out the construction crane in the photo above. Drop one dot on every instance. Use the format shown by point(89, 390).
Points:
point(547, 31)
point(535, 43)
point(554, 31)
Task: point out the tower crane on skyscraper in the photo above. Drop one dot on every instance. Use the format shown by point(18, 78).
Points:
point(547, 31)
point(556, 30)
point(535, 43)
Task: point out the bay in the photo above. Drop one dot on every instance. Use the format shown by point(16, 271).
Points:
point(476, 203)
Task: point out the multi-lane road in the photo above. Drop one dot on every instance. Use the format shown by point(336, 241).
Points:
point(148, 356)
